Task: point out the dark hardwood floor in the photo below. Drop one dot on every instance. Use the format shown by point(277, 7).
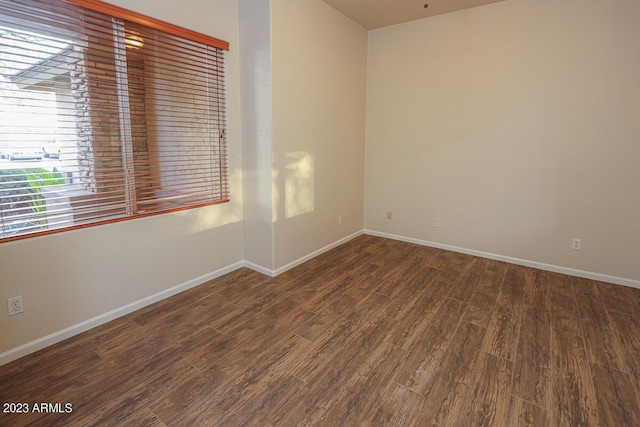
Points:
point(375, 332)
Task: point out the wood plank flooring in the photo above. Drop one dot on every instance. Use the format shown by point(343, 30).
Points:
point(375, 332)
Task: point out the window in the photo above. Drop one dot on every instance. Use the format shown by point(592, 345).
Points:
point(105, 115)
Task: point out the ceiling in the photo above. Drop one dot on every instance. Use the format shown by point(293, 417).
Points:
point(380, 13)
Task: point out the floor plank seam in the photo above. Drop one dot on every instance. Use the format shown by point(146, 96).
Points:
point(397, 332)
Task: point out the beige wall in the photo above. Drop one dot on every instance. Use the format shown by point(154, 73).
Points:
point(71, 277)
point(517, 125)
point(514, 123)
point(303, 111)
point(319, 85)
point(299, 177)
point(257, 146)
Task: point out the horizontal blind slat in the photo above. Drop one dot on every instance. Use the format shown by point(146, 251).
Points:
point(66, 64)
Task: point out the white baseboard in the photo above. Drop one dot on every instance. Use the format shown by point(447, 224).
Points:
point(278, 271)
point(260, 269)
point(314, 254)
point(56, 337)
point(40, 343)
point(524, 262)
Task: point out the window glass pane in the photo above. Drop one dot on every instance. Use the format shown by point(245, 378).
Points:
point(104, 119)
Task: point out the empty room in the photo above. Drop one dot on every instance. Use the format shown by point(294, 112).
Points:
point(319, 212)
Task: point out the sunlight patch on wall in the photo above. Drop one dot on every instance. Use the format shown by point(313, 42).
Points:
point(216, 215)
point(298, 184)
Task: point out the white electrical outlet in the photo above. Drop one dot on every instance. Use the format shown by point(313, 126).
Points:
point(576, 245)
point(389, 215)
point(339, 219)
point(15, 305)
point(437, 223)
